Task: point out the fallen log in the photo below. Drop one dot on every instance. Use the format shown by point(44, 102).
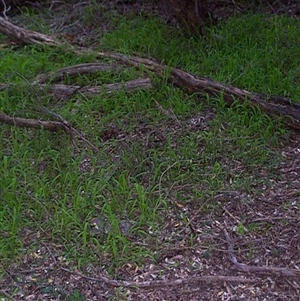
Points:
point(278, 106)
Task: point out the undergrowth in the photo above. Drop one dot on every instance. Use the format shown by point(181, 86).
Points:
point(111, 206)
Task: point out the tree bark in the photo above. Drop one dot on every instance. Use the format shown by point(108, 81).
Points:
point(194, 14)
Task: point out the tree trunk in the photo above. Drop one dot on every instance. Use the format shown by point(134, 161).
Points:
point(194, 14)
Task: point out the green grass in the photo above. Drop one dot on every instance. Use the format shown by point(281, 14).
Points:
point(45, 188)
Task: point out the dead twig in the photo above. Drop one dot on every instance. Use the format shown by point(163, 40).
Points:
point(234, 217)
point(47, 125)
point(67, 126)
point(162, 283)
point(264, 270)
point(273, 218)
point(168, 112)
point(50, 253)
point(5, 9)
point(95, 149)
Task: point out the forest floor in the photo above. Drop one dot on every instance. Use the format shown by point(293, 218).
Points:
point(238, 242)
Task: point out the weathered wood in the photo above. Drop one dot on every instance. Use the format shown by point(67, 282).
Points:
point(60, 91)
point(74, 70)
point(32, 123)
point(273, 105)
point(23, 36)
point(64, 92)
point(278, 106)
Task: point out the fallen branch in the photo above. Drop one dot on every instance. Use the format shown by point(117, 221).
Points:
point(66, 91)
point(23, 36)
point(264, 270)
point(74, 70)
point(61, 123)
point(274, 105)
point(162, 283)
point(53, 126)
point(34, 123)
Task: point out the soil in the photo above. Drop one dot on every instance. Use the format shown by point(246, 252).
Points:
point(270, 254)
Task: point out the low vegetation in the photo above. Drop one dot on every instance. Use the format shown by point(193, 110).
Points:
point(163, 154)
